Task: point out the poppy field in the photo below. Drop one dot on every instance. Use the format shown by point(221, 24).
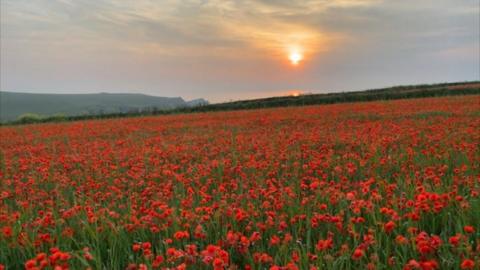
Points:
point(374, 185)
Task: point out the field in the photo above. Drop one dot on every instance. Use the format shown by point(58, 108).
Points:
point(374, 185)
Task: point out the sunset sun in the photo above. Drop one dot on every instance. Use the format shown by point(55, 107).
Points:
point(295, 57)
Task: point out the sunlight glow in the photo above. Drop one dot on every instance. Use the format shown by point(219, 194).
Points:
point(295, 93)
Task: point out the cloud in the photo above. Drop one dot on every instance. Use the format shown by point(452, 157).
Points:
point(169, 25)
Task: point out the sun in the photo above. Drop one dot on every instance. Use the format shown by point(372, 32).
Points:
point(295, 57)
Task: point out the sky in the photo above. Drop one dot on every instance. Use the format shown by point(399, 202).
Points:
point(225, 50)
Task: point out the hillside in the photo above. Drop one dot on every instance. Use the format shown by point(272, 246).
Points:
point(14, 105)
point(389, 93)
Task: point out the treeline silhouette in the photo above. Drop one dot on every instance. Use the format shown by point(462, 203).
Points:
point(390, 93)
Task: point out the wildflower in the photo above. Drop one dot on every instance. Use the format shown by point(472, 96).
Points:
point(136, 247)
point(467, 264)
point(324, 244)
point(274, 240)
point(401, 240)
point(469, 229)
point(454, 240)
point(157, 261)
point(181, 235)
point(429, 265)
point(358, 254)
point(7, 231)
point(30, 264)
point(389, 226)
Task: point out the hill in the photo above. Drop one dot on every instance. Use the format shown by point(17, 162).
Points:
point(13, 105)
point(200, 105)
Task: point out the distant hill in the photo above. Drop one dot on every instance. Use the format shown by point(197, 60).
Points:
point(13, 105)
point(197, 102)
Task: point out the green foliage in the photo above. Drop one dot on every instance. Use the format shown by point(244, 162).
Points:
point(29, 118)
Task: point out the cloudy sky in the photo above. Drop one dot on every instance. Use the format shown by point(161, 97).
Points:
point(225, 49)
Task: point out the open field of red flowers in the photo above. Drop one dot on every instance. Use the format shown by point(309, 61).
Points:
point(379, 185)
